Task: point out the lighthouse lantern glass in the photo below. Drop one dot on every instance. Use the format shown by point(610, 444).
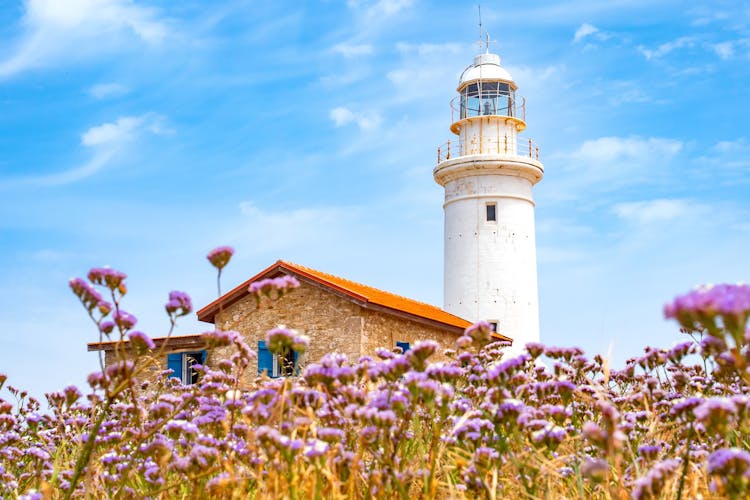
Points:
point(487, 98)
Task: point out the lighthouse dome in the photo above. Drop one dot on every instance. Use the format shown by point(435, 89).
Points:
point(486, 67)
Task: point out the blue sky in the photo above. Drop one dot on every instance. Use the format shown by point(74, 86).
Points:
point(141, 134)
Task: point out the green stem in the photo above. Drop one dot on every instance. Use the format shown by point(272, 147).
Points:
point(88, 448)
point(685, 462)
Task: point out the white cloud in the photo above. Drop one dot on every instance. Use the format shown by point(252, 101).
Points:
point(610, 163)
point(731, 146)
point(605, 151)
point(105, 141)
point(583, 31)
point(429, 49)
point(286, 229)
point(724, 50)
point(341, 116)
point(56, 31)
point(353, 50)
point(365, 120)
point(380, 8)
point(114, 132)
point(107, 90)
point(619, 92)
point(666, 48)
point(423, 65)
point(658, 210)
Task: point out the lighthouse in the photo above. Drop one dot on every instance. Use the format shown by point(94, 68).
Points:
point(488, 172)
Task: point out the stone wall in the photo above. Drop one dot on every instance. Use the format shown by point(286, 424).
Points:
point(384, 330)
point(151, 365)
point(334, 324)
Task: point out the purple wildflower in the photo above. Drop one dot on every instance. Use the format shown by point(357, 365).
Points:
point(729, 462)
point(715, 413)
point(281, 338)
point(140, 341)
point(219, 257)
point(484, 455)
point(330, 435)
point(89, 297)
point(105, 276)
point(535, 349)
point(124, 320)
point(595, 469)
point(179, 304)
point(550, 436)
point(731, 470)
point(106, 327)
point(219, 338)
point(315, 448)
point(594, 433)
point(118, 370)
point(273, 287)
point(72, 394)
point(649, 451)
point(480, 332)
point(652, 484)
point(684, 407)
point(463, 342)
point(701, 306)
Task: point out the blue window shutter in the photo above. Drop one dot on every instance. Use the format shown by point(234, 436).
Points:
point(174, 362)
point(265, 359)
point(202, 357)
point(404, 346)
point(296, 363)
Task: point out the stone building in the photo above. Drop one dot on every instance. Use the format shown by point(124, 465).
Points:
point(490, 270)
point(337, 314)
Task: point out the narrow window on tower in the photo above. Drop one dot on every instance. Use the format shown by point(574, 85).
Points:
point(491, 212)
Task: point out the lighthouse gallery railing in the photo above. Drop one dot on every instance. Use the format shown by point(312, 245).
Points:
point(507, 146)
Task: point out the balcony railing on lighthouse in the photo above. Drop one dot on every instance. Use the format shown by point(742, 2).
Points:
point(506, 146)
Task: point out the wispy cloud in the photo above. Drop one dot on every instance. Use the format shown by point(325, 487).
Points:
point(366, 120)
point(105, 142)
point(609, 163)
point(584, 31)
point(735, 146)
point(725, 50)
point(56, 32)
point(429, 49)
point(283, 230)
point(667, 47)
point(617, 150)
point(115, 132)
point(658, 210)
point(108, 90)
point(380, 8)
point(349, 50)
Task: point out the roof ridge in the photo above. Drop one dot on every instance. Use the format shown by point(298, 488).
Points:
point(367, 286)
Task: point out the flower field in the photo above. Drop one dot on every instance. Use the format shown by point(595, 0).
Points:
point(551, 423)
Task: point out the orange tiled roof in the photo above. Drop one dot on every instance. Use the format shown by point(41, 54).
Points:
point(357, 291)
point(385, 299)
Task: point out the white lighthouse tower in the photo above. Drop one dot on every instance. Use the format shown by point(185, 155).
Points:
point(488, 174)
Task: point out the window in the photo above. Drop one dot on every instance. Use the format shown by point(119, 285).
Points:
point(491, 212)
point(404, 346)
point(274, 365)
point(487, 98)
point(182, 365)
